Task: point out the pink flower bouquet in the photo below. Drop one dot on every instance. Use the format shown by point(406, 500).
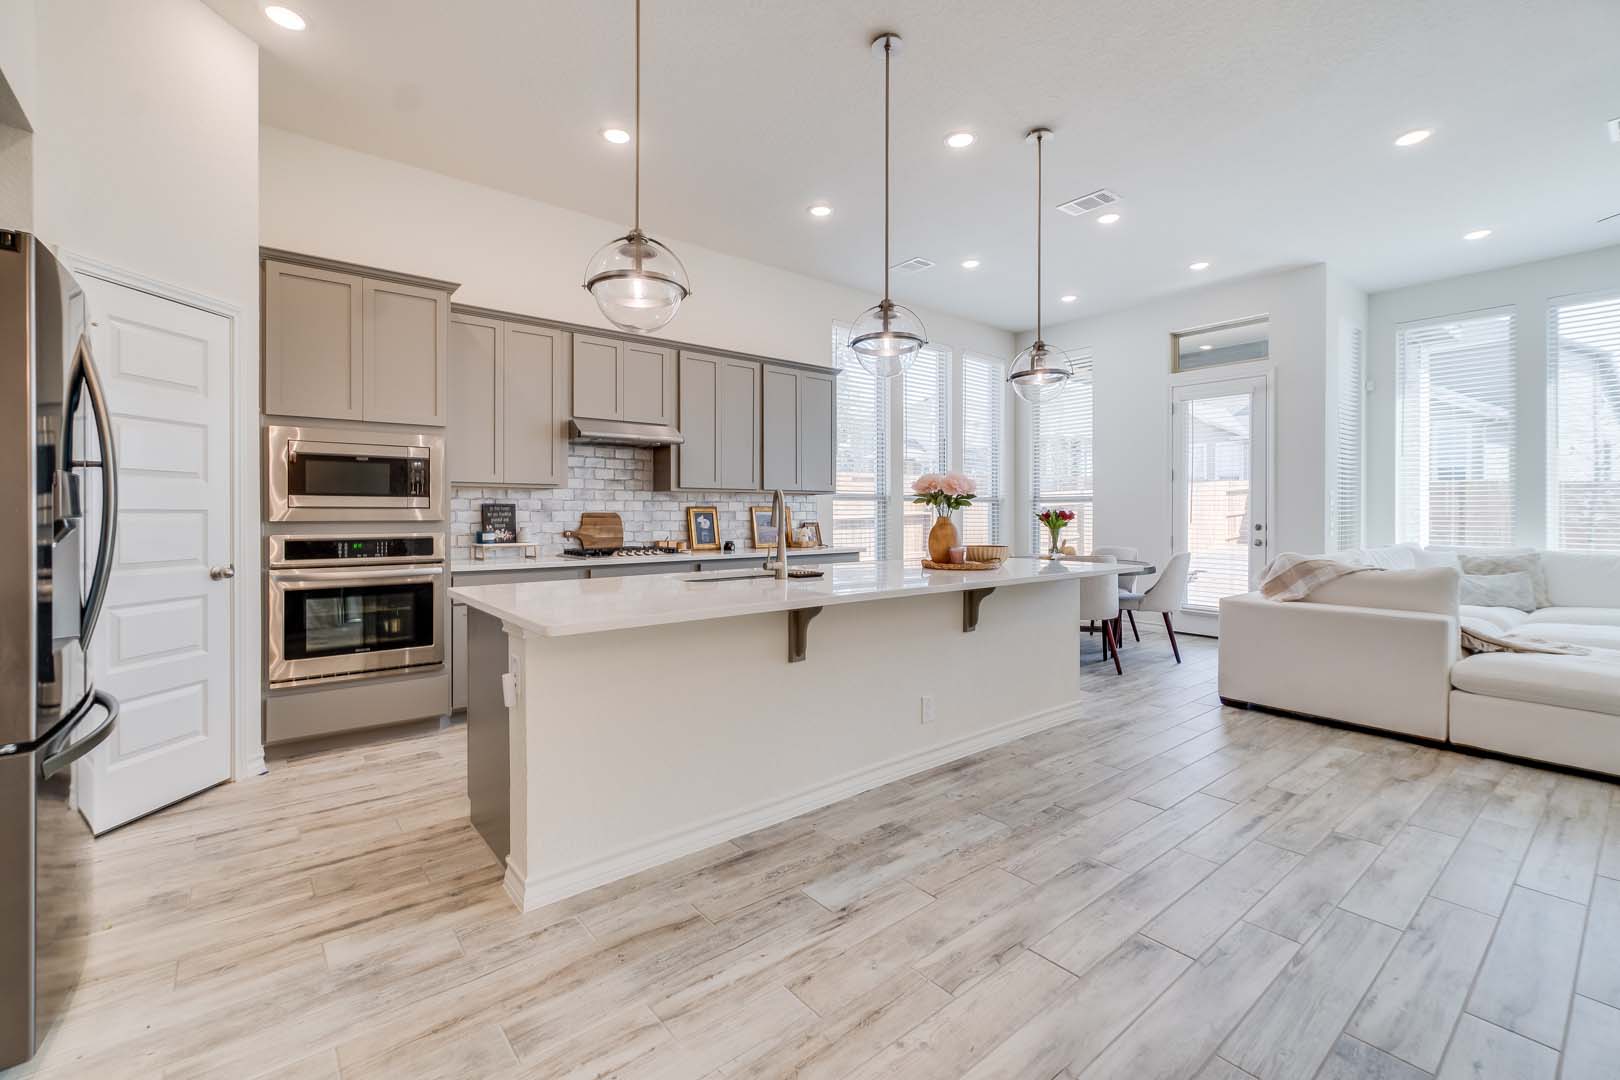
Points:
point(946, 493)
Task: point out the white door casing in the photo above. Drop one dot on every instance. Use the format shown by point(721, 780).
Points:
point(1220, 485)
point(164, 645)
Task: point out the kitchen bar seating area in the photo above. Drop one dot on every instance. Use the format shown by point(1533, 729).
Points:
point(890, 539)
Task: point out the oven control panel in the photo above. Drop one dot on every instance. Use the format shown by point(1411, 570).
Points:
point(289, 551)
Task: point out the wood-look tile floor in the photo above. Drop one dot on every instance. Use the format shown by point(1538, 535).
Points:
point(1164, 888)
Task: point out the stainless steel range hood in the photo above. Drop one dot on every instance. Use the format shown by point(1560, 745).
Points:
point(621, 433)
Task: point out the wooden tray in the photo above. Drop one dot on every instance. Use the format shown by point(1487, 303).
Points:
point(929, 564)
point(598, 529)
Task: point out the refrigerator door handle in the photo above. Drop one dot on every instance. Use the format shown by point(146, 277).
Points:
point(86, 378)
point(55, 761)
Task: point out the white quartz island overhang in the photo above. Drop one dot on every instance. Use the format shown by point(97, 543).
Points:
point(645, 718)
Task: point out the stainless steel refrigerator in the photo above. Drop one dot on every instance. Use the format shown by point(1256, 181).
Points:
point(54, 567)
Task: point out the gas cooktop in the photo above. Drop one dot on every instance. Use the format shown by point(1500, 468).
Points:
point(628, 551)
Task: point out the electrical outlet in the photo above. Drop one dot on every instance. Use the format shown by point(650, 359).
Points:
point(927, 710)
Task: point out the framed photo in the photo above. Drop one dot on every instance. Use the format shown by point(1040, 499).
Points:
point(759, 523)
point(703, 528)
point(807, 535)
point(499, 520)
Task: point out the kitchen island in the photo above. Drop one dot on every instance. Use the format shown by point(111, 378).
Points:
point(615, 724)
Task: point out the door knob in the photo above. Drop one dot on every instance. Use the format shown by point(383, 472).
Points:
point(220, 573)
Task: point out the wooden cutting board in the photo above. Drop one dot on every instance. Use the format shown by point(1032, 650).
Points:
point(598, 529)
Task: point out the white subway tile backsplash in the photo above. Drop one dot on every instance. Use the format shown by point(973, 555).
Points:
point(609, 478)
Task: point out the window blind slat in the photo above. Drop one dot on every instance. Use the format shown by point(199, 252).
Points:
point(984, 417)
point(1457, 407)
point(1583, 430)
point(1061, 458)
point(925, 431)
point(1346, 496)
point(862, 489)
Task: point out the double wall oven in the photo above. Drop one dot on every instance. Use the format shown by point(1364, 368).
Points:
point(355, 574)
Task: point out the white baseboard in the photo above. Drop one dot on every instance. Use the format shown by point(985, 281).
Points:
point(537, 892)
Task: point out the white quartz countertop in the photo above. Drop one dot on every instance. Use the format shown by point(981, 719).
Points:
point(571, 562)
point(595, 605)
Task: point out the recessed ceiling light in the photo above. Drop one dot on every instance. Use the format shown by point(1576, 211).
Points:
point(1412, 138)
point(286, 18)
point(957, 140)
point(820, 209)
point(1068, 298)
point(1200, 265)
point(1205, 348)
point(1107, 219)
point(970, 264)
point(1477, 234)
point(616, 136)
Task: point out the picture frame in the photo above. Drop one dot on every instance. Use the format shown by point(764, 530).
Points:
point(806, 535)
point(703, 528)
point(763, 532)
point(498, 520)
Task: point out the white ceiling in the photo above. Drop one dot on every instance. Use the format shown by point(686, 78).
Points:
point(1255, 134)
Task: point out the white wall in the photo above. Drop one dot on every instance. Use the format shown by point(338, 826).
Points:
point(17, 53)
point(1131, 359)
point(520, 255)
point(1526, 288)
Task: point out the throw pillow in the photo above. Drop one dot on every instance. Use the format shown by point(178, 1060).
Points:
point(1528, 562)
point(1515, 590)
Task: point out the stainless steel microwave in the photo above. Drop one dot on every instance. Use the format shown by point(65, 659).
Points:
point(352, 474)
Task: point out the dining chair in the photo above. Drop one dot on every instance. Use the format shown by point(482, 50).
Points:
point(1099, 603)
point(1127, 580)
point(1168, 594)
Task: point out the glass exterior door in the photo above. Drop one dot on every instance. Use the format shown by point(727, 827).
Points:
point(1219, 487)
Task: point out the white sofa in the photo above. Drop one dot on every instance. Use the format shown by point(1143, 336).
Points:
point(1381, 651)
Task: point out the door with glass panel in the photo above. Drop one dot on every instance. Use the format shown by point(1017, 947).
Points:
point(1219, 487)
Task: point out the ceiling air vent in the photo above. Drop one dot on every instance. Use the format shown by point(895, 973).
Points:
point(1086, 204)
point(912, 266)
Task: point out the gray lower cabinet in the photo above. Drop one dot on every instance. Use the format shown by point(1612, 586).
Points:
point(719, 417)
point(800, 420)
point(458, 656)
point(342, 345)
point(615, 379)
point(508, 402)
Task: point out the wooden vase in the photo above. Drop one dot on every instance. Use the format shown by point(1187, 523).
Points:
point(941, 538)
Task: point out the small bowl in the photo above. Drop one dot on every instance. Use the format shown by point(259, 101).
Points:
point(987, 553)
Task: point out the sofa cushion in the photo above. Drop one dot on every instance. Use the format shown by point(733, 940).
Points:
point(1392, 557)
point(1591, 635)
point(1516, 590)
point(1582, 578)
point(1439, 557)
point(1503, 618)
point(1433, 590)
point(1590, 682)
point(1597, 616)
point(1528, 562)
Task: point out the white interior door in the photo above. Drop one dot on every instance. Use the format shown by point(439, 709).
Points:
point(163, 646)
point(1220, 483)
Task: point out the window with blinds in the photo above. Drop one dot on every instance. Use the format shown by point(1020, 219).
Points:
point(861, 491)
point(1345, 499)
point(984, 418)
point(1583, 424)
point(1456, 405)
point(1061, 457)
point(925, 432)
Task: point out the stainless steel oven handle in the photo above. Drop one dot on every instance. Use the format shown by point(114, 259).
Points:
point(84, 376)
point(413, 576)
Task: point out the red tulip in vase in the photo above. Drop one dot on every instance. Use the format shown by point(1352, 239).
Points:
point(1055, 521)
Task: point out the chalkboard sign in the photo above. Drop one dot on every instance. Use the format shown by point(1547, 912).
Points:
point(498, 522)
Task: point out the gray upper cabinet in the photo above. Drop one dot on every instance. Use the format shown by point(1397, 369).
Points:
point(312, 351)
point(343, 345)
point(719, 418)
point(509, 402)
point(800, 429)
point(537, 362)
point(623, 380)
point(405, 332)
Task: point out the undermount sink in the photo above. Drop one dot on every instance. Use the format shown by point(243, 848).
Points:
point(743, 575)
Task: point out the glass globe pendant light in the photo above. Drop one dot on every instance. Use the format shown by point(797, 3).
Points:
point(886, 338)
point(637, 282)
point(1041, 372)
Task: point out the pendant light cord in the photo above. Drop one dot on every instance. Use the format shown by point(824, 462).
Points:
point(888, 45)
point(638, 118)
point(1040, 142)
